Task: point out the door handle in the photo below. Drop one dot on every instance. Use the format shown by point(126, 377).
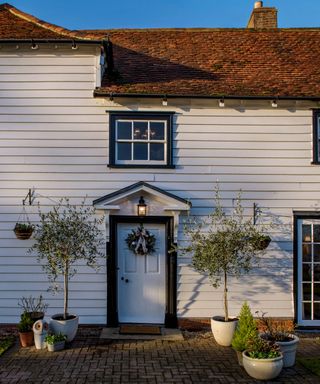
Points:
point(125, 280)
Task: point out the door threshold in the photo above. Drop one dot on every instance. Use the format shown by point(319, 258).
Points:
point(167, 334)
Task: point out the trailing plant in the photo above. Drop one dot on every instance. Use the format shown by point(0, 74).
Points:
point(26, 323)
point(230, 245)
point(53, 339)
point(23, 227)
point(66, 235)
point(274, 330)
point(246, 329)
point(258, 348)
point(33, 304)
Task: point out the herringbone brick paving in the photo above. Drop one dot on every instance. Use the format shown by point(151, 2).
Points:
point(197, 359)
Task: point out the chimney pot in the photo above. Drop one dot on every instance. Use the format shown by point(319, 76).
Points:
point(258, 4)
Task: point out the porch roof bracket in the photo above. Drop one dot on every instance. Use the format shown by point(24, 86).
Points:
point(107, 210)
point(175, 212)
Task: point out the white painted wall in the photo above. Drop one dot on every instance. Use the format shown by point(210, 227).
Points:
point(54, 137)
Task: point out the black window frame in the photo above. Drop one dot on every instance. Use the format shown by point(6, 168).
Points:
point(114, 116)
point(316, 136)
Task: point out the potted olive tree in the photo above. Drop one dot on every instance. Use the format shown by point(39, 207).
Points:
point(229, 245)
point(65, 236)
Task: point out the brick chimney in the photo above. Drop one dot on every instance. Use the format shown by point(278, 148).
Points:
point(263, 17)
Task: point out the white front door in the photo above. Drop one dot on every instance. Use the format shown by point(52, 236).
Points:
point(308, 272)
point(141, 279)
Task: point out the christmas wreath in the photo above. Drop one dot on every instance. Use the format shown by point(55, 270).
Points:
point(140, 241)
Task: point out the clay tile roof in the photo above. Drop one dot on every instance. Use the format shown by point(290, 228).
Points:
point(15, 25)
point(215, 62)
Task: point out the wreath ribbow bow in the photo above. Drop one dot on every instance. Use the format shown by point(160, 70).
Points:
point(141, 241)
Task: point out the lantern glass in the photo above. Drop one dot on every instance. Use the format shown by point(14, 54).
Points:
point(142, 207)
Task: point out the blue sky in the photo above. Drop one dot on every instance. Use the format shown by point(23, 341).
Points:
point(105, 14)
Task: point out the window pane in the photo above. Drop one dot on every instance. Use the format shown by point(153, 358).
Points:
point(124, 151)
point(306, 233)
point(306, 311)
point(306, 252)
point(316, 311)
point(316, 253)
point(316, 233)
point(316, 292)
point(306, 272)
point(140, 130)
point(156, 131)
point(306, 291)
point(140, 151)
point(124, 130)
point(316, 272)
point(156, 151)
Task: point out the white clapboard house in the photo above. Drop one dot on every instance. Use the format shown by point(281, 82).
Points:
point(162, 114)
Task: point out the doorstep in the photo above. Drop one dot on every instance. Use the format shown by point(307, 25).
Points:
point(167, 334)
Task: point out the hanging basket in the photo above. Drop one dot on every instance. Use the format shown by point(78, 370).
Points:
point(23, 231)
point(263, 242)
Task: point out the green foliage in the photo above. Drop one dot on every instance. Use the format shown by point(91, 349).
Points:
point(258, 348)
point(53, 339)
point(23, 227)
point(230, 245)
point(133, 244)
point(246, 329)
point(32, 304)
point(274, 330)
point(311, 363)
point(66, 235)
point(6, 343)
point(26, 323)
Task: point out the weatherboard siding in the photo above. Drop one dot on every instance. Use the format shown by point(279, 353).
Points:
point(54, 137)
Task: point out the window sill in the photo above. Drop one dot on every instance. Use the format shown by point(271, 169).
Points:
point(150, 166)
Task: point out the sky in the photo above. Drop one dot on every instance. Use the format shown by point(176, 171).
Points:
point(108, 14)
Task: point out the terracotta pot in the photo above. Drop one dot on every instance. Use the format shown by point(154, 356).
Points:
point(26, 339)
point(240, 358)
point(223, 330)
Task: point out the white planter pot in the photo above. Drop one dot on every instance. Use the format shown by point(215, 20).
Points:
point(67, 327)
point(223, 330)
point(289, 349)
point(59, 346)
point(262, 369)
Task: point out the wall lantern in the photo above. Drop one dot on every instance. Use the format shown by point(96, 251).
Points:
point(142, 207)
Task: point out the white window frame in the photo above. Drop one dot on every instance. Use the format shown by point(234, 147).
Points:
point(146, 141)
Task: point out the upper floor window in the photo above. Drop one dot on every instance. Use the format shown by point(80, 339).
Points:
point(139, 139)
point(316, 136)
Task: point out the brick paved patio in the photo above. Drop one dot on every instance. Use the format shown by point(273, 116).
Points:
point(197, 359)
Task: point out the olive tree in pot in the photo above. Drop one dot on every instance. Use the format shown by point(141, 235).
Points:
point(65, 236)
point(223, 246)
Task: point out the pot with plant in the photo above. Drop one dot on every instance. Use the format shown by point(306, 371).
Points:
point(262, 359)
point(35, 306)
point(66, 236)
point(282, 334)
point(25, 330)
point(55, 342)
point(246, 330)
point(23, 231)
point(229, 246)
